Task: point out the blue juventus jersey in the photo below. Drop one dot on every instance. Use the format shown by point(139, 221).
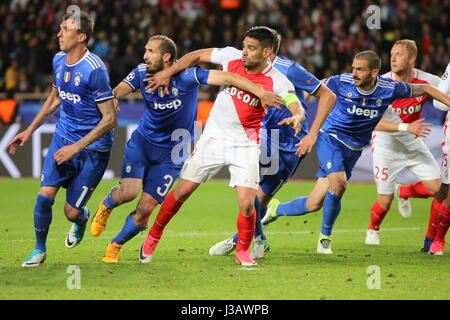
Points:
point(302, 80)
point(80, 87)
point(166, 113)
point(356, 113)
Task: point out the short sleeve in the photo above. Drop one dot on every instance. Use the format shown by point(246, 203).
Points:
point(282, 85)
point(58, 59)
point(223, 56)
point(133, 79)
point(444, 82)
point(333, 83)
point(402, 90)
point(202, 75)
point(99, 84)
point(303, 79)
point(444, 86)
point(189, 77)
point(428, 77)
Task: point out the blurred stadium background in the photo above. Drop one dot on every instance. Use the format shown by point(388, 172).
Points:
point(322, 36)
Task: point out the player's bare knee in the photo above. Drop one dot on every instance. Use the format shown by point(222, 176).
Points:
point(246, 207)
point(434, 186)
point(184, 190)
point(127, 195)
point(338, 187)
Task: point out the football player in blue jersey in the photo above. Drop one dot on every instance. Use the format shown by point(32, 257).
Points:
point(281, 147)
point(80, 148)
point(362, 98)
point(154, 155)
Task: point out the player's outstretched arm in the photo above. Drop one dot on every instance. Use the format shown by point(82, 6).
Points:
point(326, 102)
point(221, 78)
point(298, 113)
point(426, 89)
point(162, 78)
point(122, 90)
point(107, 122)
point(419, 128)
point(49, 107)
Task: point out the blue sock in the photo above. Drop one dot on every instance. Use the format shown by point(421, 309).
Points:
point(263, 213)
point(42, 220)
point(331, 209)
point(83, 217)
point(109, 201)
point(129, 230)
point(235, 237)
point(258, 226)
point(296, 207)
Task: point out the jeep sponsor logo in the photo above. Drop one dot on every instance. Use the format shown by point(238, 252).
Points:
point(242, 95)
point(371, 113)
point(75, 98)
point(175, 104)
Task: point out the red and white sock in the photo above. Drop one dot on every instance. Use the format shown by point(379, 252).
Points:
point(377, 215)
point(432, 222)
point(415, 190)
point(443, 222)
point(246, 229)
point(169, 208)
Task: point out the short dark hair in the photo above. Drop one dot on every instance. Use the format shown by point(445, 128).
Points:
point(371, 57)
point(167, 46)
point(86, 25)
point(264, 35)
point(276, 41)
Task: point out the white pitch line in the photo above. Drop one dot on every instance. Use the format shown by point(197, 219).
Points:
point(169, 233)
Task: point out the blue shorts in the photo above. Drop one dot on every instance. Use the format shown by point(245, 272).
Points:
point(152, 164)
point(80, 175)
point(288, 164)
point(334, 156)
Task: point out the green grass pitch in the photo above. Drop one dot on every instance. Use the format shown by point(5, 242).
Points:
point(182, 269)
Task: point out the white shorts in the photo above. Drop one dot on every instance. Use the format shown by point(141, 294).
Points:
point(387, 164)
point(211, 154)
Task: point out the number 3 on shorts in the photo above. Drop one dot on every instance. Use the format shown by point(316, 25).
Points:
point(166, 186)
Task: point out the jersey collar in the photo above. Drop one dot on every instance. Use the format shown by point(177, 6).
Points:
point(366, 93)
point(268, 67)
point(82, 58)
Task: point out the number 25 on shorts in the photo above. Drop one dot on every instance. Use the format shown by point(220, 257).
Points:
point(381, 175)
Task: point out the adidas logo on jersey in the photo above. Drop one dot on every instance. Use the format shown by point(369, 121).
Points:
point(168, 105)
point(241, 95)
point(69, 96)
point(371, 113)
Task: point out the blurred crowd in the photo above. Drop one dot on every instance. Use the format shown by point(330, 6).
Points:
point(322, 35)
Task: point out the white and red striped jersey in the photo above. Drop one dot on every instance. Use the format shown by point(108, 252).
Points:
point(236, 114)
point(404, 110)
point(444, 86)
